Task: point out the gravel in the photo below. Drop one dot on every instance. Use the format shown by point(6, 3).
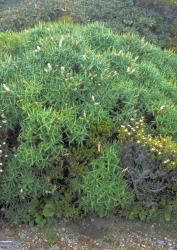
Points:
point(91, 233)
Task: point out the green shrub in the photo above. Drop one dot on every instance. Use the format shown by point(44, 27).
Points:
point(30, 12)
point(155, 20)
point(167, 11)
point(104, 190)
point(65, 90)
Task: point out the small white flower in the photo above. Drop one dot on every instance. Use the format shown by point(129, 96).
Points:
point(4, 143)
point(99, 147)
point(38, 49)
point(5, 156)
point(1, 164)
point(62, 69)
point(93, 98)
point(84, 57)
point(1, 170)
point(0, 151)
point(166, 161)
point(96, 103)
point(161, 108)
point(49, 66)
point(6, 87)
point(125, 170)
point(48, 192)
point(128, 69)
point(61, 42)
point(21, 190)
point(131, 70)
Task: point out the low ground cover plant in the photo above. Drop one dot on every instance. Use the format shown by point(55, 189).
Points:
point(155, 20)
point(69, 94)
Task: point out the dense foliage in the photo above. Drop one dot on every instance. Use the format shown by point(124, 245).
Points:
point(68, 93)
point(156, 20)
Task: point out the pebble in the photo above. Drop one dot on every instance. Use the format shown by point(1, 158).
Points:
point(124, 235)
point(160, 243)
point(9, 245)
point(97, 243)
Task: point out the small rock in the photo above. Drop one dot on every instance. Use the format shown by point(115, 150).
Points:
point(160, 243)
point(9, 245)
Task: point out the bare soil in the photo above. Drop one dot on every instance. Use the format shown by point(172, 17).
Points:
point(91, 233)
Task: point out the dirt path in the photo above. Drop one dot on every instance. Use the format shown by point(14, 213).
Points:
point(91, 233)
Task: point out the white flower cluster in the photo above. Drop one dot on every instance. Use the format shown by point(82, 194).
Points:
point(2, 144)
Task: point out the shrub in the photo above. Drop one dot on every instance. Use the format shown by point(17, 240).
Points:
point(28, 13)
point(167, 11)
point(65, 91)
point(155, 20)
point(104, 190)
point(150, 164)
